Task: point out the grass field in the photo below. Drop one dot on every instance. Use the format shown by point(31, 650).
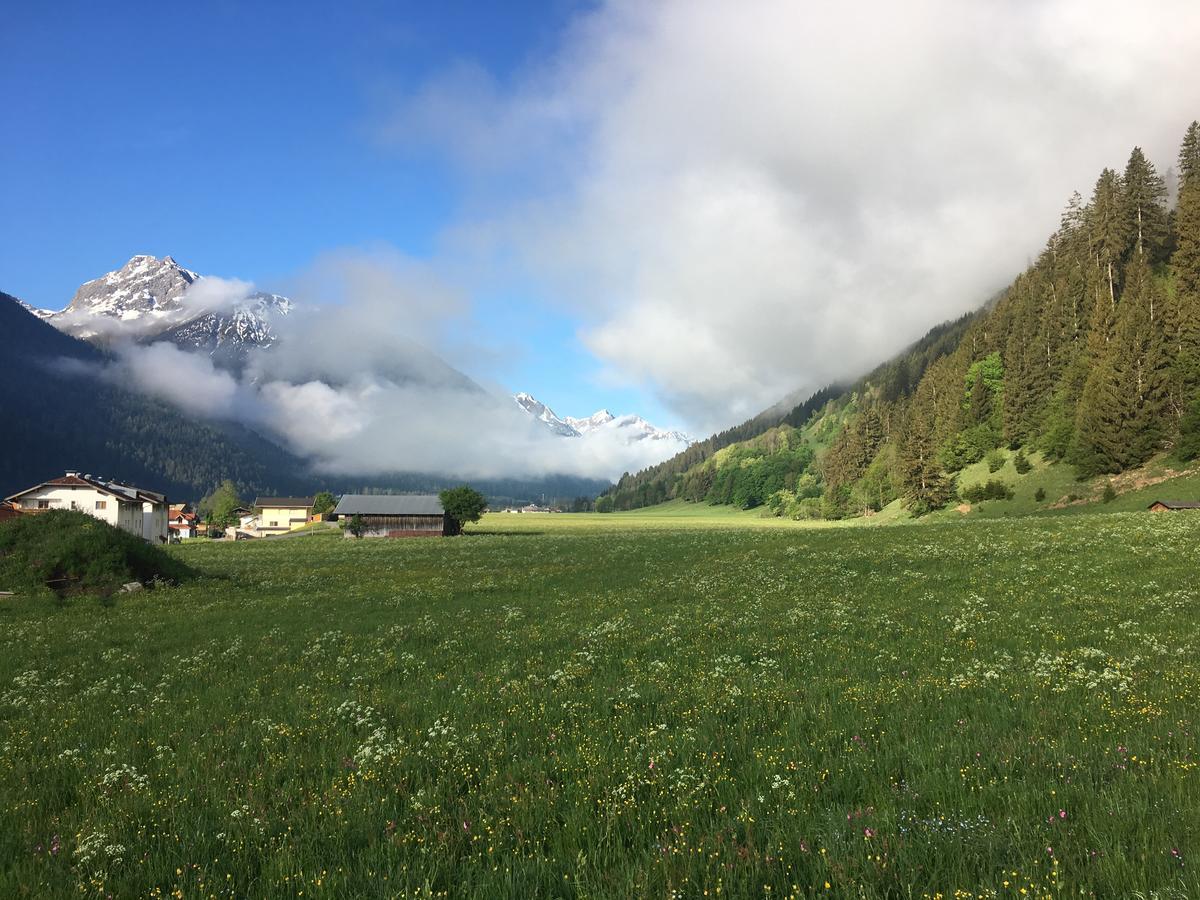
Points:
point(633, 707)
point(672, 515)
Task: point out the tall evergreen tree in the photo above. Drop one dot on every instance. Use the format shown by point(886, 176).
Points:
point(1144, 202)
point(1108, 231)
point(1185, 268)
point(1139, 369)
point(1189, 153)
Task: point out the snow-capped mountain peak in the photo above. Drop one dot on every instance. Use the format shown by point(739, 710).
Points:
point(592, 422)
point(626, 429)
point(148, 299)
point(636, 425)
point(144, 286)
point(544, 414)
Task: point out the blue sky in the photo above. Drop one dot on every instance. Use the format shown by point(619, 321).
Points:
point(242, 138)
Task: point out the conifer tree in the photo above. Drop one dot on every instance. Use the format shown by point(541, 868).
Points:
point(1144, 206)
point(1138, 392)
point(1185, 268)
point(1108, 232)
point(1096, 443)
point(926, 486)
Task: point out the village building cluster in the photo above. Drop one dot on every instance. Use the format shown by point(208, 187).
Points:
point(146, 513)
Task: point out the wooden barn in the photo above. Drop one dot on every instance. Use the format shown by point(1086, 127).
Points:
point(1172, 505)
point(395, 515)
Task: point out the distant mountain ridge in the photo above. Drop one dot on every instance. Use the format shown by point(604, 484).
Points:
point(627, 428)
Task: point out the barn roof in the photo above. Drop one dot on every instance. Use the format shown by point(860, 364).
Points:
point(1177, 504)
point(389, 505)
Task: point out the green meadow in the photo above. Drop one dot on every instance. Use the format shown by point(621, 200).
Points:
point(672, 703)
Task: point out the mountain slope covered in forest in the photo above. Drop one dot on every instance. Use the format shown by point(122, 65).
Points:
point(1089, 359)
point(64, 412)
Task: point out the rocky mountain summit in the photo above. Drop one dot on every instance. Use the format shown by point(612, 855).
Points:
point(150, 299)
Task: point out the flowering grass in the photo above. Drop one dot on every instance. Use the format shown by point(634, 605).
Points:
point(977, 709)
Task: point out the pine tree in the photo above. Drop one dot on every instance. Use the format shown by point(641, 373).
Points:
point(1096, 445)
point(1189, 153)
point(1108, 232)
point(1144, 206)
point(1139, 368)
point(1185, 269)
point(926, 486)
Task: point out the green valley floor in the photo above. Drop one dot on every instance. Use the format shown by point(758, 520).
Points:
point(664, 704)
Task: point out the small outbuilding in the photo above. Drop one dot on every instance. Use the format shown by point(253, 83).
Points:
point(1173, 505)
point(395, 515)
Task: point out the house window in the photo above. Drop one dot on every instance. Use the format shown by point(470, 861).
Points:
point(274, 523)
point(101, 504)
point(43, 504)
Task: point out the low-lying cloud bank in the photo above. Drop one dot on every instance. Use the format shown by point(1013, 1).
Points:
point(742, 200)
point(349, 386)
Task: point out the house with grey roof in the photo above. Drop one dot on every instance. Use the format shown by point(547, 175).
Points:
point(395, 515)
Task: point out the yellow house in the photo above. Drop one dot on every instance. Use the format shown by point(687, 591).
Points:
point(278, 515)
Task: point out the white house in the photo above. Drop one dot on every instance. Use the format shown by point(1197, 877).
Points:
point(182, 522)
point(133, 509)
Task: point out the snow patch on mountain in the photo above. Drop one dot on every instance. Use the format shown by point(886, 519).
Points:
point(40, 313)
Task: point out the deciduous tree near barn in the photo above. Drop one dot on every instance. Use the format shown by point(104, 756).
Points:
point(463, 506)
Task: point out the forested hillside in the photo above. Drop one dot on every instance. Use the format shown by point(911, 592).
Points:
point(61, 413)
point(1091, 356)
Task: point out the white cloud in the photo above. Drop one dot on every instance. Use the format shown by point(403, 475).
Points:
point(352, 386)
point(213, 294)
point(188, 380)
point(740, 200)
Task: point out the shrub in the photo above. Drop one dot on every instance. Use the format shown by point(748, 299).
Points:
point(777, 504)
point(1110, 493)
point(1021, 463)
point(1039, 495)
point(70, 552)
point(996, 459)
point(994, 489)
point(807, 508)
